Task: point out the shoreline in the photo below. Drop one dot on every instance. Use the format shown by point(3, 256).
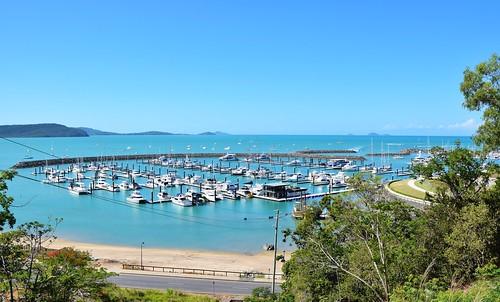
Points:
point(111, 257)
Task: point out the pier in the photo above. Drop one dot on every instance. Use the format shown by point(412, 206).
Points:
point(276, 158)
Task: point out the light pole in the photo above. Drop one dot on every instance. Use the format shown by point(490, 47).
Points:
point(275, 248)
point(142, 244)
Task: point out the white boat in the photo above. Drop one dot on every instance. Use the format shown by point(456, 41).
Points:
point(257, 190)
point(195, 180)
point(239, 171)
point(230, 194)
point(280, 176)
point(136, 197)
point(350, 167)
point(211, 195)
point(294, 162)
point(103, 185)
point(336, 163)
point(295, 177)
point(244, 191)
point(420, 159)
point(135, 173)
point(263, 157)
point(338, 180)
point(228, 157)
point(178, 182)
point(125, 186)
point(150, 184)
point(383, 170)
point(78, 188)
point(181, 200)
point(319, 179)
point(163, 196)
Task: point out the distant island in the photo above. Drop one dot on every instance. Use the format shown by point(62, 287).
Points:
point(41, 130)
point(58, 130)
point(213, 133)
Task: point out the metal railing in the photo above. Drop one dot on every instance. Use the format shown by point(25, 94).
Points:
point(200, 271)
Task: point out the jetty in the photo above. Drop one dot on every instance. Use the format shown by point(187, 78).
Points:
point(308, 159)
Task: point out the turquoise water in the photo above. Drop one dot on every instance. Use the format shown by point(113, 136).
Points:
point(219, 226)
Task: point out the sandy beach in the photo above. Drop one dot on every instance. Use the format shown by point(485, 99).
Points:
point(112, 257)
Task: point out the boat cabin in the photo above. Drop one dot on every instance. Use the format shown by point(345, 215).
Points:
point(283, 191)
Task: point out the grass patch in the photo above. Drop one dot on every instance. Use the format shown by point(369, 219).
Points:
point(402, 187)
point(118, 294)
point(430, 185)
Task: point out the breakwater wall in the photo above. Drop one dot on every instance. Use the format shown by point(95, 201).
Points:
point(108, 158)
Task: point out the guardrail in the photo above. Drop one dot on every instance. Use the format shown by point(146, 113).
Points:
point(200, 271)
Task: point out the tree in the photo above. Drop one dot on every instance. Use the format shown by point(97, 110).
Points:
point(68, 275)
point(368, 246)
point(481, 89)
point(470, 242)
point(6, 216)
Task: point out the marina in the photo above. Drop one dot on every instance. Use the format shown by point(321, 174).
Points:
point(178, 192)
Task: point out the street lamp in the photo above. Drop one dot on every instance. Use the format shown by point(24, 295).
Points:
point(142, 244)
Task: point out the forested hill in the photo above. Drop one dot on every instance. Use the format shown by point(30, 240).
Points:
point(40, 130)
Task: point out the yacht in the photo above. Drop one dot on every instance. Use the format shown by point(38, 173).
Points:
point(163, 196)
point(280, 176)
point(193, 196)
point(244, 191)
point(257, 190)
point(135, 173)
point(78, 188)
point(228, 157)
point(350, 167)
point(239, 171)
point(136, 197)
point(263, 157)
point(103, 185)
point(150, 184)
point(211, 195)
point(320, 179)
point(195, 180)
point(294, 162)
point(56, 178)
point(230, 194)
point(387, 169)
point(125, 186)
point(295, 177)
point(420, 159)
point(181, 200)
point(337, 163)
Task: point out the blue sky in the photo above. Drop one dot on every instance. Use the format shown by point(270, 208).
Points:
point(244, 67)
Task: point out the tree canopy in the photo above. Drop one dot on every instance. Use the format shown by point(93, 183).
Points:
point(481, 90)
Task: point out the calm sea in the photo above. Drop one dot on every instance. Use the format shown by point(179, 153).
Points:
point(228, 225)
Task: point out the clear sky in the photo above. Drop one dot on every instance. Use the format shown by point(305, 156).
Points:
point(244, 67)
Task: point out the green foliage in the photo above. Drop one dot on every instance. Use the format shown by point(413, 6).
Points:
point(261, 294)
point(481, 89)
point(68, 275)
point(116, 294)
point(469, 243)
point(30, 272)
point(465, 173)
point(6, 216)
point(369, 245)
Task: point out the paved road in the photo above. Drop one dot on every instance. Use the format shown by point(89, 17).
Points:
point(195, 285)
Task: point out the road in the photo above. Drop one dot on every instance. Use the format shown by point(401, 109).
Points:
point(195, 285)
